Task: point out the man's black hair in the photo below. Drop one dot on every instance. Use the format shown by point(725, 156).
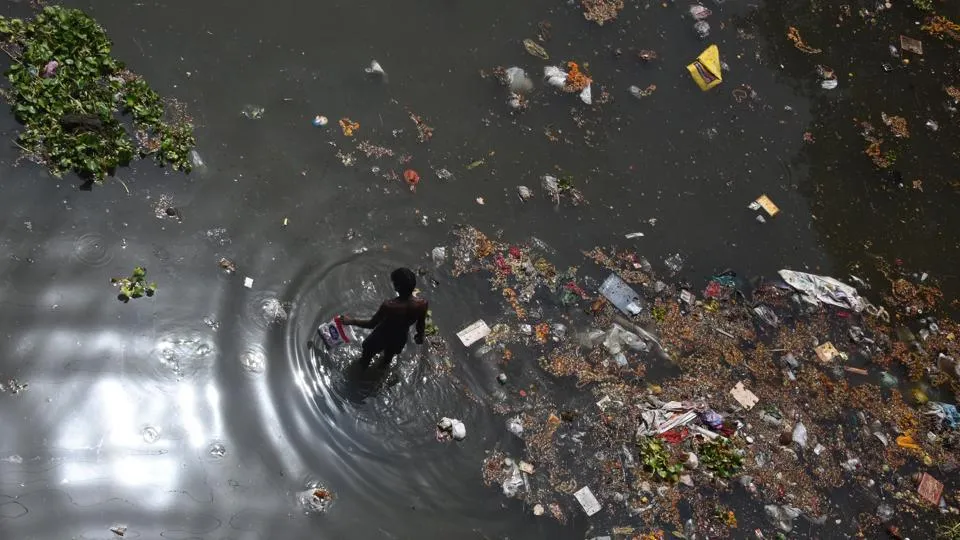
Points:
point(404, 281)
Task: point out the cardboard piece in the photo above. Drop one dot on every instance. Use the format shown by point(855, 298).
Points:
point(586, 499)
point(706, 70)
point(744, 397)
point(764, 202)
point(826, 352)
point(911, 45)
point(473, 333)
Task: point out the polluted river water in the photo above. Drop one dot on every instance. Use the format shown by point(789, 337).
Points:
point(209, 410)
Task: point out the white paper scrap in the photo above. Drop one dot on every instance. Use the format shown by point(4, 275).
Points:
point(473, 333)
point(586, 499)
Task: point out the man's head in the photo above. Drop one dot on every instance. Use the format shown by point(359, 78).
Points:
point(404, 281)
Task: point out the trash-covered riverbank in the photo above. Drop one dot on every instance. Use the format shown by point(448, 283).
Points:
point(641, 401)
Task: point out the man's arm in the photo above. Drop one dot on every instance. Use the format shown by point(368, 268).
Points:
point(421, 324)
point(365, 323)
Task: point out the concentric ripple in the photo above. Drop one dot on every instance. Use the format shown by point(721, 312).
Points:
point(92, 249)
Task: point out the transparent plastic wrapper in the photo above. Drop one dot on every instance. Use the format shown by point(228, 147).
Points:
point(334, 333)
point(518, 81)
point(816, 289)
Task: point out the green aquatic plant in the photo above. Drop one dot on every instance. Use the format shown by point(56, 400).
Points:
point(70, 95)
point(720, 457)
point(430, 329)
point(923, 5)
point(656, 459)
point(134, 286)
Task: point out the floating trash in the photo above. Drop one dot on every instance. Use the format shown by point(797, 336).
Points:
point(150, 434)
point(252, 112)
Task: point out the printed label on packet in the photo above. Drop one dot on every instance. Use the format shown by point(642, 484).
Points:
point(333, 333)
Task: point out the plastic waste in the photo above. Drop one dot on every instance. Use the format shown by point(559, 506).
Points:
point(947, 412)
point(551, 185)
point(375, 69)
point(518, 81)
point(800, 434)
point(525, 193)
point(617, 338)
point(515, 426)
point(196, 161)
point(699, 12)
point(782, 516)
point(439, 255)
point(451, 428)
point(555, 76)
point(320, 121)
point(702, 28)
point(586, 96)
point(252, 112)
point(621, 295)
point(706, 70)
point(334, 333)
point(513, 483)
point(816, 289)
point(534, 49)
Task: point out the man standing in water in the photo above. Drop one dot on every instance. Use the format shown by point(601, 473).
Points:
point(392, 321)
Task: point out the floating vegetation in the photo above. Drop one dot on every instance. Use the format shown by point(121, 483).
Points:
point(134, 286)
point(69, 94)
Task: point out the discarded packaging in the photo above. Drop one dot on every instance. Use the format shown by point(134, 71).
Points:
point(816, 289)
point(555, 76)
point(473, 333)
point(448, 428)
point(911, 45)
point(706, 70)
point(744, 397)
point(515, 426)
point(534, 49)
point(518, 81)
point(699, 12)
point(586, 96)
point(586, 499)
point(375, 69)
point(621, 295)
point(334, 333)
point(248, 282)
point(525, 193)
point(930, 489)
point(526, 467)
point(764, 202)
point(702, 29)
point(826, 352)
point(320, 121)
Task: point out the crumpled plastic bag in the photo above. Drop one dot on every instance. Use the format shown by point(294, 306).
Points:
point(518, 81)
point(947, 413)
point(800, 434)
point(555, 76)
point(586, 95)
point(783, 516)
point(513, 483)
point(816, 289)
point(617, 337)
